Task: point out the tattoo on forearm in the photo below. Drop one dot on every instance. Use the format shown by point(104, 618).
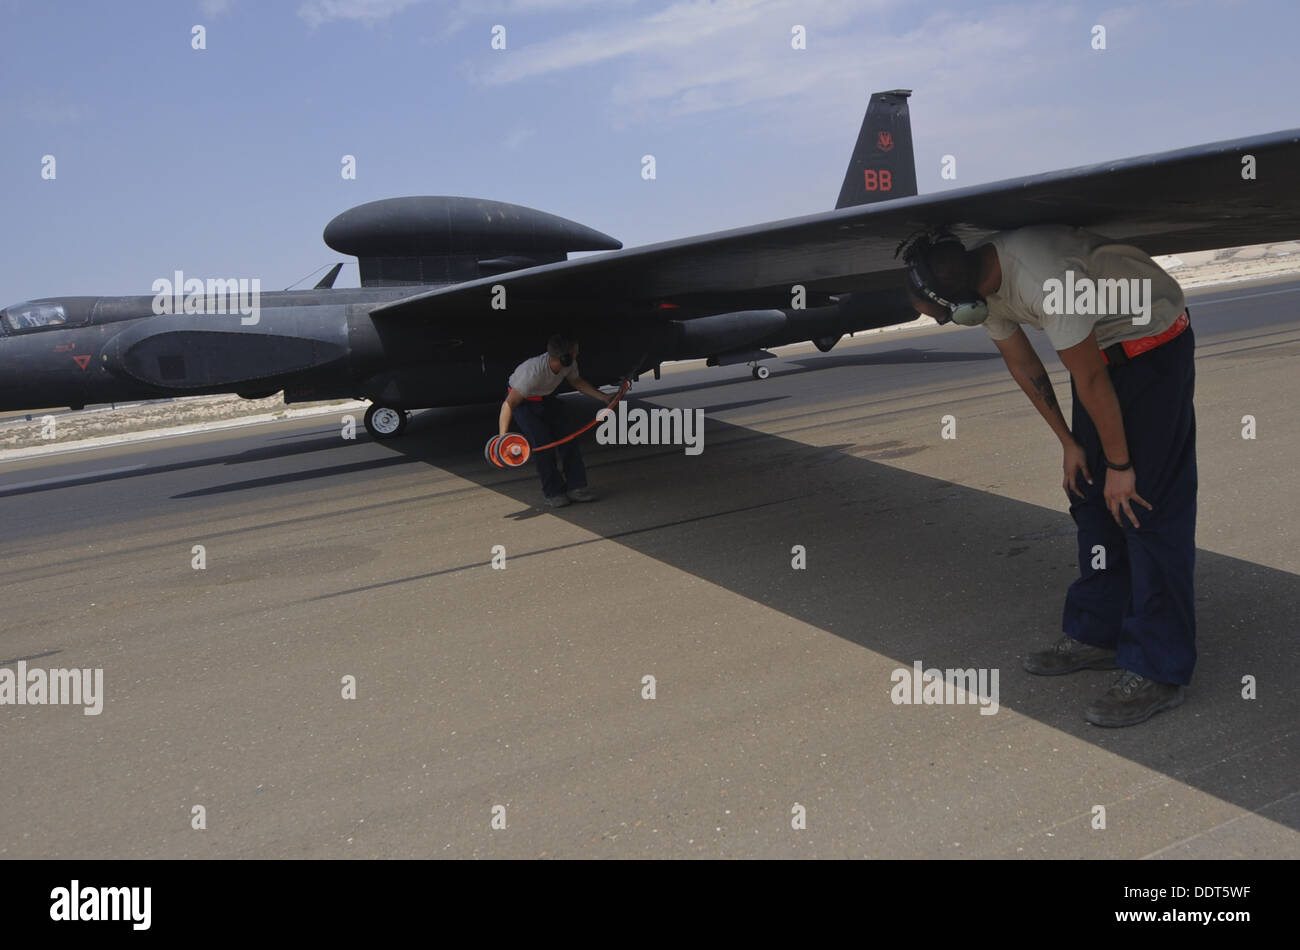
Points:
point(1042, 385)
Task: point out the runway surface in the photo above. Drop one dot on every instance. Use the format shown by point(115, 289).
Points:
point(525, 688)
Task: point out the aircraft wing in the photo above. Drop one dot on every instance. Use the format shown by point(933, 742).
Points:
point(1185, 200)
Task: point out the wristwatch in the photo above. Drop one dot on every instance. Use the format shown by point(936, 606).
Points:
point(1119, 468)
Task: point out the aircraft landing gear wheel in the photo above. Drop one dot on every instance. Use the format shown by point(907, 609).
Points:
point(385, 422)
point(761, 372)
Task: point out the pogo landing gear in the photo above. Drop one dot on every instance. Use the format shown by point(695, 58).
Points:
point(507, 451)
point(385, 422)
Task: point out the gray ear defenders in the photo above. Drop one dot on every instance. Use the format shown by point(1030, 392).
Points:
point(967, 313)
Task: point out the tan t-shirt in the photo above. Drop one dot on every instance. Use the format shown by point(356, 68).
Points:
point(1052, 272)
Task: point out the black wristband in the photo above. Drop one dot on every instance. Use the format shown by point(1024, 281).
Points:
point(1119, 468)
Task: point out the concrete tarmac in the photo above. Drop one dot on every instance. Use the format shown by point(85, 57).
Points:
point(519, 695)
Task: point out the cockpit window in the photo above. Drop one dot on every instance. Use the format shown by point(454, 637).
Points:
point(34, 316)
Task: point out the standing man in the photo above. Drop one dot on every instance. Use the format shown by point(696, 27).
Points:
point(540, 416)
point(1119, 324)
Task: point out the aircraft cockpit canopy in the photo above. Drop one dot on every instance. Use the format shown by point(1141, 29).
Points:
point(42, 315)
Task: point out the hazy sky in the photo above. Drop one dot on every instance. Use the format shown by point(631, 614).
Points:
point(225, 162)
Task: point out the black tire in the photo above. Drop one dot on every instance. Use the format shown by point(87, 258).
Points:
point(385, 422)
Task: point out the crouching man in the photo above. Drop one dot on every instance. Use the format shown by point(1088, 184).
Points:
point(541, 417)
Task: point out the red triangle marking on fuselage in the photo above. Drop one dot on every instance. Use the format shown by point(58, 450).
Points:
point(82, 361)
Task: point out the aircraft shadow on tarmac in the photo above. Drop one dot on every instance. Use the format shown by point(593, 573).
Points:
point(304, 446)
point(918, 568)
point(912, 567)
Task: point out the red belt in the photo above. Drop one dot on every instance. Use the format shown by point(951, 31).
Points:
point(529, 398)
point(1119, 353)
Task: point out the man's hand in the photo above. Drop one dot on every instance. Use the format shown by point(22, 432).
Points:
point(1121, 489)
point(1075, 463)
point(584, 387)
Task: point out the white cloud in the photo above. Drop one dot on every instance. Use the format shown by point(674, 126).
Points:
point(518, 137)
point(460, 14)
point(454, 16)
point(47, 111)
point(316, 12)
point(698, 57)
point(682, 26)
point(215, 8)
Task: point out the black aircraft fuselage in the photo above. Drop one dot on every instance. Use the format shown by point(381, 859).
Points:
point(324, 344)
point(327, 343)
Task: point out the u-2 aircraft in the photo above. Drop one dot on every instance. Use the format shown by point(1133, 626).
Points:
point(456, 291)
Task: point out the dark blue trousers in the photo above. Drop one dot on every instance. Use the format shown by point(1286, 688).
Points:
point(1142, 604)
point(543, 422)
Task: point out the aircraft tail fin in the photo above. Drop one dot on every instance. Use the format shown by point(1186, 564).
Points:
point(882, 166)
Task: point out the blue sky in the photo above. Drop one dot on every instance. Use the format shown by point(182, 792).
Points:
point(226, 161)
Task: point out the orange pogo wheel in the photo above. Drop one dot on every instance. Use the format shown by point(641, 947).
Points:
point(512, 449)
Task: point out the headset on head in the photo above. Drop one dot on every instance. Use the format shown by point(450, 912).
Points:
point(565, 358)
point(915, 250)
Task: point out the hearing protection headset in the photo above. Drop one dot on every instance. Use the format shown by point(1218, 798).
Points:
point(967, 313)
point(563, 343)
